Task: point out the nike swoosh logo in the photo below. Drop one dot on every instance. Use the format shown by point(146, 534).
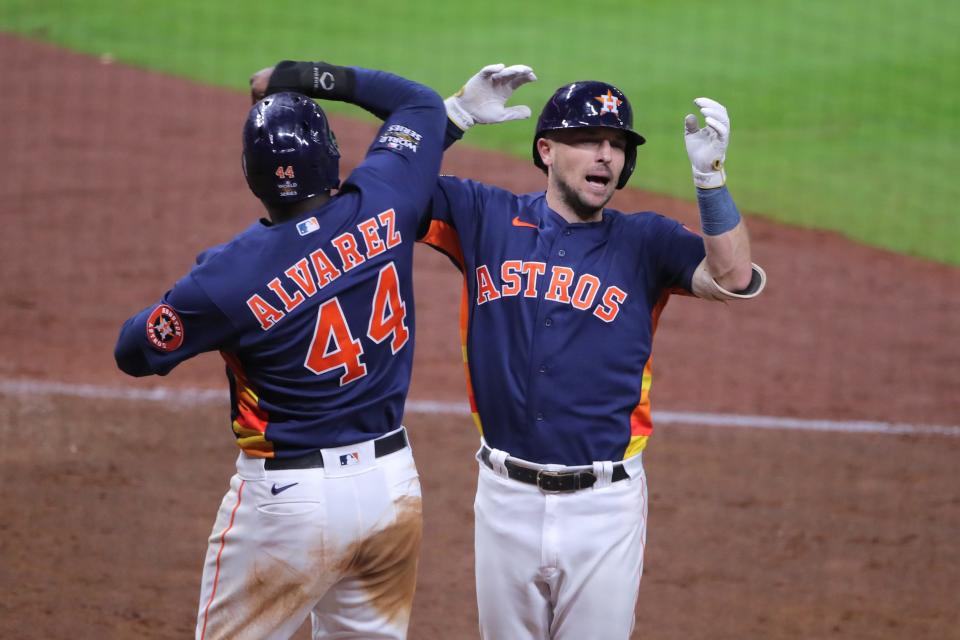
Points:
point(517, 222)
point(275, 489)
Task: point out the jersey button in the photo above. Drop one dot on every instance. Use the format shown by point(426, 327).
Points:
point(548, 322)
point(561, 253)
point(567, 232)
point(543, 368)
point(540, 417)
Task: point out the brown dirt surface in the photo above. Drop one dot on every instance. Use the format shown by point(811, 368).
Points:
point(113, 178)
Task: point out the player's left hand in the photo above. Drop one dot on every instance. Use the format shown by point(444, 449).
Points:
point(483, 98)
point(707, 147)
point(258, 84)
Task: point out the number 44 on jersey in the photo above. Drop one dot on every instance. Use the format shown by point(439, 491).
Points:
point(334, 347)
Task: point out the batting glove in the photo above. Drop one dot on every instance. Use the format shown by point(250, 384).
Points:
point(482, 100)
point(707, 147)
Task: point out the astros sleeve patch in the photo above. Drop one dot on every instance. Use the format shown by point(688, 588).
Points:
point(164, 329)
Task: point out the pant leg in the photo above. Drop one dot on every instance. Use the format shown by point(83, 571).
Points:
point(374, 596)
point(269, 557)
point(513, 599)
point(601, 545)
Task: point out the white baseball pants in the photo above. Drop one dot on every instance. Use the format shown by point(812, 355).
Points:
point(563, 566)
point(339, 543)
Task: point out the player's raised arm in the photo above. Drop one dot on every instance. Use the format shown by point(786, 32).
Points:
point(481, 100)
point(452, 211)
point(409, 145)
point(726, 272)
point(379, 92)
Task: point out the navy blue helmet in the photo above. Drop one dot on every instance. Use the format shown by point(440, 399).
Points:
point(590, 103)
point(289, 151)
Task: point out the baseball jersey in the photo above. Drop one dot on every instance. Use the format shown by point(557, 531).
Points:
point(559, 318)
point(314, 316)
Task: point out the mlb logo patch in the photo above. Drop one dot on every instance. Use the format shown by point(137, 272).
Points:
point(307, 226)
point(349, 459)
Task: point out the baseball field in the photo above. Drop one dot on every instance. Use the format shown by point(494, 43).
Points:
point(803, 470)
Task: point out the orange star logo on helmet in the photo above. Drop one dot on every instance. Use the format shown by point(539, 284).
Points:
point(610, 103)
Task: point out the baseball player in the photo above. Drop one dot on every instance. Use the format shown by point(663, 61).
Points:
point(563, 296)
point(312, 310)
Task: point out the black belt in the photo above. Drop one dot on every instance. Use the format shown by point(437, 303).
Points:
point(553, 481)
point(381, 447)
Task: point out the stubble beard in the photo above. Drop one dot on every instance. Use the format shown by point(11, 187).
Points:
point(572, 199)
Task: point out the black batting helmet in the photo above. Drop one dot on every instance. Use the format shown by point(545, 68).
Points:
point(590, 103)
point(289, 151)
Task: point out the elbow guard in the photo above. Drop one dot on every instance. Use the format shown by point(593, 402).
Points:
point(704, 286)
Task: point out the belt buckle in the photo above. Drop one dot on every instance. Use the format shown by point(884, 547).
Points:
point(577, 476)
point(556, 475)
point(543, 473)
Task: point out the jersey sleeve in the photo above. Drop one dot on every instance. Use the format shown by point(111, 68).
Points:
point(404, 158)
point(675, 252)
point(184, 323)
point(453, 216)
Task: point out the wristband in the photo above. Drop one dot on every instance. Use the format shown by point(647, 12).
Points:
point(315, 79)
point(457, 114)
point(718, 213)
point(452, 135)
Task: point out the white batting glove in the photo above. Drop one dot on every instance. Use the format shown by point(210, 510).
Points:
point(707, 147)
point(482, 100)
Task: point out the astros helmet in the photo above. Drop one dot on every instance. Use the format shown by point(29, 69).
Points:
point(590, 103)
point(289, 151)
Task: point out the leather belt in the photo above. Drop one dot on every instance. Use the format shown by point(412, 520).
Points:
point(553, 481)
point(381, 447)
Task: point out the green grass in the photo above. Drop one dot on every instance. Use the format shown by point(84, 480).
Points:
point(844, 112)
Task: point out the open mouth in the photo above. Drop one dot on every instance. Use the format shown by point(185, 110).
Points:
point(599, 180)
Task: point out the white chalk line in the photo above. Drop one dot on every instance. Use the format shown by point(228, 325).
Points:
point(192, 396)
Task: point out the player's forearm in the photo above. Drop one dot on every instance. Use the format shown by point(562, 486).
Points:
point(378, 92)
point(725, 238)
point(728, 258)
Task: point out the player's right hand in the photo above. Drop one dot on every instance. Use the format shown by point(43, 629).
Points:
point(482, 100)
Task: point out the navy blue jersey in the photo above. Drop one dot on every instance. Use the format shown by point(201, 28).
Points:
point(560, 318)
point(314, 316)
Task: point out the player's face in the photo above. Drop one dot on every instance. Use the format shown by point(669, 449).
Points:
point(584, 166)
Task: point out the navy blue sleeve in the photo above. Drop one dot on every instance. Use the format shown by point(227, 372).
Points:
point(383, 94)
point(183, 324)
point(451, 218)
point(405, 156)
point(457, 202)
point(674, 251)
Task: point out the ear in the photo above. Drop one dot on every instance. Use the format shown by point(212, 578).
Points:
point(545, 149)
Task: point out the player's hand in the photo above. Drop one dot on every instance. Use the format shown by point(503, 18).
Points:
point(482, 100)
point(707, 147)
point(258, 84)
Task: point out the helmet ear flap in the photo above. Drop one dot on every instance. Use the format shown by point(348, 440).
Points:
point(537, 160)
point(629, 164)
point(334, 145)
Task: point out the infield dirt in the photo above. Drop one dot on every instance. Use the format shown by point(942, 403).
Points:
point(113, 178)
